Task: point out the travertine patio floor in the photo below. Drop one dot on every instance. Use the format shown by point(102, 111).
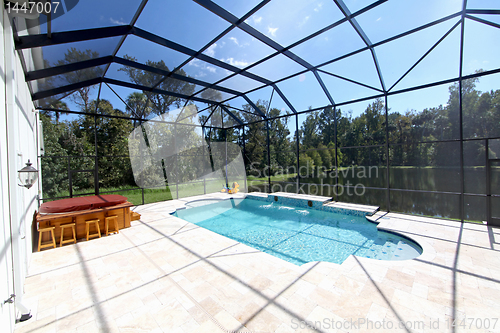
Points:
point(167, 275)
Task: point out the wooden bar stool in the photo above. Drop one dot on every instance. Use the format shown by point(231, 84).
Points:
point(73, 239)
point(52, 244)
point(96, 224)
point(108, 220)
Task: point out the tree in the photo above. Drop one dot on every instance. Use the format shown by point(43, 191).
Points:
point(282, 157)
point(161, 103)
point(57, 105)
point(345, 133)
point(326, 156)
point(326, 124)
point(54, 169)
point(255, 140)
point(372, 122)
point(316, 158)
point(82, 96)
point(309, 131)
point(112, 145)
point(138, 106)
point(480, 110)
point(306, 166)
point(211, 95)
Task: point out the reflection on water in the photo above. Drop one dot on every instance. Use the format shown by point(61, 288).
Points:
point(439, 179)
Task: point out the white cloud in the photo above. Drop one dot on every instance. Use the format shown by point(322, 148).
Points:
point(272, 31)
point(236, 63)
point(119, 22)
point(195, 62)
point(211, 50)
point(203, 68)
point(304, 21)
point(235, 40)
point(319, 7)
point(380, 18)
point(257, 19)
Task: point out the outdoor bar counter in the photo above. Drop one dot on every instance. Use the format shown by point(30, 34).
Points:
point(78, 210)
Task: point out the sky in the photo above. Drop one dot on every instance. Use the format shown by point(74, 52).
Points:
point(287, 21)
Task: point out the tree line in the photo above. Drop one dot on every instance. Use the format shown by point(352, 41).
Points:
point(426, 138)
point(107, 138)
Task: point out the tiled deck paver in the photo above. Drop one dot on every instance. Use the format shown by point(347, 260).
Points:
point(166, 275)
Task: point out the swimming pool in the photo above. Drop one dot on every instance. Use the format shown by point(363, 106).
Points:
point(299, 235)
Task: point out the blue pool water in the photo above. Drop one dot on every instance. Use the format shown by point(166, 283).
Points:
point(299, 235)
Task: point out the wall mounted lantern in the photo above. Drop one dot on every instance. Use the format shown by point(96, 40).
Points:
point(28, 175)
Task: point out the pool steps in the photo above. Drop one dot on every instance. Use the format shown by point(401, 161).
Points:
point(377, 217)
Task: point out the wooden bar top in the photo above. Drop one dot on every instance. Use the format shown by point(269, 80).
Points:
point(49, 217)
point(79, 217)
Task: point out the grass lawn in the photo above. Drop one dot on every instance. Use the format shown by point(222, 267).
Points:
point(135, 195)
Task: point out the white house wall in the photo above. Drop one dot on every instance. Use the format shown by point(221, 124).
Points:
point(18, 143)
